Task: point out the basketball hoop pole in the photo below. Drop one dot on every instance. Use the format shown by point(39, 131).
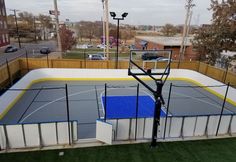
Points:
point(157, 112)
point(157, 92)
point(156, 121)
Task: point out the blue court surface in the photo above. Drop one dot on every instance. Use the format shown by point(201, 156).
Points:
point(122, 107)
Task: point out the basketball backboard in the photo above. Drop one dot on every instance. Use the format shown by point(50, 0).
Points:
point(150, 62)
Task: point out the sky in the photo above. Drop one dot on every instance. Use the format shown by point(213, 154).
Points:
point(141, 12)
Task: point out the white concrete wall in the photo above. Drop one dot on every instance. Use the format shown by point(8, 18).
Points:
point(7, 99)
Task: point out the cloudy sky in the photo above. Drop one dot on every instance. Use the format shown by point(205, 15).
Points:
point(148, 12)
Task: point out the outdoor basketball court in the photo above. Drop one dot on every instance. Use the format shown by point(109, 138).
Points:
point(46, 102)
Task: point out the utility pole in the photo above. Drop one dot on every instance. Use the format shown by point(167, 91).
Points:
point(57, 27)
point(188, 29)
point(17, 28)
point(103, 27)
point(107, 28)
point(189, 6)
point(35, 32)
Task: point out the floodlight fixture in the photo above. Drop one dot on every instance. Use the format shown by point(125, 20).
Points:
point(124, 14)
point(113, 14)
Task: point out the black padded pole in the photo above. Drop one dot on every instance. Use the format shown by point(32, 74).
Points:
point(156, 121)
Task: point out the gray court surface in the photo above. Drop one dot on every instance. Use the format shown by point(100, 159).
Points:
point(49, 104)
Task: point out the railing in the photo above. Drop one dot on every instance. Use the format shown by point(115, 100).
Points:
point(37, 135)
point(177, 127)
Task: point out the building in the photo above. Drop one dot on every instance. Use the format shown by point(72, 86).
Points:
point(164, 43)
point(4, 37)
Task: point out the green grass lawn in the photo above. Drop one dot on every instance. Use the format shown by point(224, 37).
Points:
point(220, 150)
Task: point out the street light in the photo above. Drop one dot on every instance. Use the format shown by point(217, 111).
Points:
point(113, 15)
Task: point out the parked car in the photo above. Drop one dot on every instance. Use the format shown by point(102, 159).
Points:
point(97, 56)
point(84, 46)
point(10, 49)
point(89, 45)
point(102, 46)
point(45, 50)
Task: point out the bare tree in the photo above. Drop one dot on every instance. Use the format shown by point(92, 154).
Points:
point(169, 30)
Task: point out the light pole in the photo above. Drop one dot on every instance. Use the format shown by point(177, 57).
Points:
point(113, 15)
point(57, 27)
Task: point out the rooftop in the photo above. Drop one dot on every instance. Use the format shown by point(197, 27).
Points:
point(168, 41)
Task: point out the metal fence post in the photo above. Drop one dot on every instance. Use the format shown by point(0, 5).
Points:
point(199, 64)
point(85, 58)
point(23, 131)
point(68, 113)
point(222, 109)
point(6, 137)
point(56, 124)
point(9, 73)
point(230, 123)
point(167, 110)
point(105, 103)
point(27, 59)
point(226, 73)
point(47, 61)
point(96, 93)
point(206, 128)
point(136, 115)
point(40, 136)
point(182, 128)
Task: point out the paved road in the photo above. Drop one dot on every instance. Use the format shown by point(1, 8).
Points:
point(32, 48)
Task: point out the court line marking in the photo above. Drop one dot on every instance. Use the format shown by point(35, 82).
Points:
point(105, 79)
point(43, 106)
point(101, 94)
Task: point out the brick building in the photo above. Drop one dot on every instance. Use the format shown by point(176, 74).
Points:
point(4, 37)
point(163, 43)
